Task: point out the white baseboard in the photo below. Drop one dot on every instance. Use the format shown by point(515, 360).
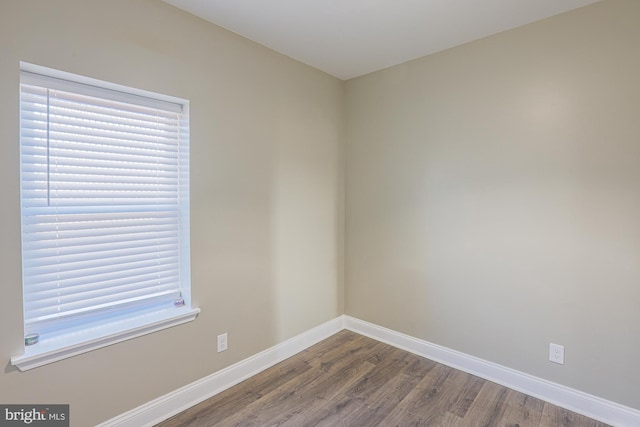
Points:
point(177, 401)
point(565, 397)
point(166, 406)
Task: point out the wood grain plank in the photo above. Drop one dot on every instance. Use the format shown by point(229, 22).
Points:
point(553, 416)
point(488, 407)
point(522, 410)
point(427, 402)
point(351, 380)
point(470, 387)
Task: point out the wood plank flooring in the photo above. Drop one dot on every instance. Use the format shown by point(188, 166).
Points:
point(351, 380)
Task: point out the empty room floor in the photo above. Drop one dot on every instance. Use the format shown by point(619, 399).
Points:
point(351, 380)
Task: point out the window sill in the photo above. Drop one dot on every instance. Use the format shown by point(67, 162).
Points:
point(61, 347)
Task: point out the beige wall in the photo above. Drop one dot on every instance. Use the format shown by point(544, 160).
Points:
point(493, 198)
point(267, 137)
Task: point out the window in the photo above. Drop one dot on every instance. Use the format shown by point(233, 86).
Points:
point(105, 213)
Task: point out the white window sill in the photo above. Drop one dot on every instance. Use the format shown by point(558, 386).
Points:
point(61, 347)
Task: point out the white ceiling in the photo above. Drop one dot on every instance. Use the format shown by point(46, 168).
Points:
point(349, 38)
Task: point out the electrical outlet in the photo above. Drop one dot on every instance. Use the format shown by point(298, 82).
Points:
point(556, 353)
point(222, 342)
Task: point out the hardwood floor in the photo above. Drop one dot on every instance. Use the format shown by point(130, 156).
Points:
point(351, 380)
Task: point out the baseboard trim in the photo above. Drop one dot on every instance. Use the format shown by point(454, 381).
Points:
point(166, 406)
point(574, 400)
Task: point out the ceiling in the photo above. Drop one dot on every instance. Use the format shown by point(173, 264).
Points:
point(349, 38)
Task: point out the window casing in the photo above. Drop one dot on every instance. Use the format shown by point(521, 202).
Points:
point(105, 210)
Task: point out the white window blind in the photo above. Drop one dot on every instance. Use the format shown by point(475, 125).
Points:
point(105, 208)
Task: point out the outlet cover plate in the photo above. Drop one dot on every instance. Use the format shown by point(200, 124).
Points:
point(556, 353)
point(222, 342)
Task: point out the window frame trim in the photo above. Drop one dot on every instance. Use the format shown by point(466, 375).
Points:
point(70, 345)
point(66, 344)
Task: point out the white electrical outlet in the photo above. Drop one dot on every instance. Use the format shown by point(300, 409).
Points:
point(556, 353)
point(222, 342)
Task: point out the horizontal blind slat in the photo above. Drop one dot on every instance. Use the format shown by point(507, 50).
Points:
point(69, 310)
point(98, 94)
point(41, 270)
point(46, 296)
point(71, 278)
